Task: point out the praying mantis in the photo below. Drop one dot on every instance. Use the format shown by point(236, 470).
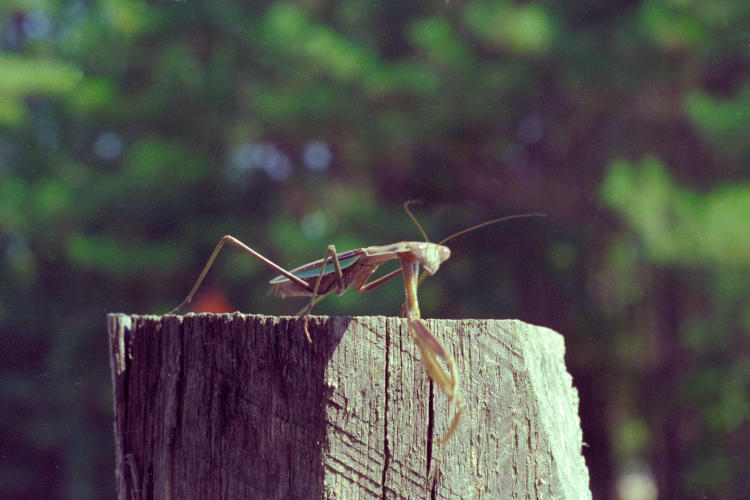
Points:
point(337, 272)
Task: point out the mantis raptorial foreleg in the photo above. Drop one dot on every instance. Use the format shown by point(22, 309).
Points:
point(430, 349)
point(429, 346)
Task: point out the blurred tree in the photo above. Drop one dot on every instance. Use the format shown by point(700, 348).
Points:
point(688, 317)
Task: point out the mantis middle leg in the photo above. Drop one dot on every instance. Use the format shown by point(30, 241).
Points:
point(330, 253)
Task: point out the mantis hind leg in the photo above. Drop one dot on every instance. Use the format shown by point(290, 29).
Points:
point(237, 243)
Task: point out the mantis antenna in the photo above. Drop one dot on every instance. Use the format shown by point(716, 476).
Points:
point(468, 229)
point(414, 219)
point(463, 231)
point(487, 223)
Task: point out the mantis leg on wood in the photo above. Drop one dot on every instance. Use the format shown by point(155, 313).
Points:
point(305, 288)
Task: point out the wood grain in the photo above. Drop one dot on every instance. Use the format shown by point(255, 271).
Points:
point(242, 406)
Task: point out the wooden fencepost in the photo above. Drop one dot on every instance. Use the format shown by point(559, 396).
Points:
point(239, 406)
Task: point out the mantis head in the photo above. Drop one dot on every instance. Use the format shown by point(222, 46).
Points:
point(431, 255)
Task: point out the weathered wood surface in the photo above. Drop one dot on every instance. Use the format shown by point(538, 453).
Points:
point(238, 406)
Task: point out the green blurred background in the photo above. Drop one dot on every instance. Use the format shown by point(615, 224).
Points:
point(134, 134)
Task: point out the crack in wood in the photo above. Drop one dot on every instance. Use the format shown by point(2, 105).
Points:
point(433, 470)
point(386, 451)
point(430, 425)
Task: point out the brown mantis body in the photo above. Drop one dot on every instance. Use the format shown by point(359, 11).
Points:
point(337, 272)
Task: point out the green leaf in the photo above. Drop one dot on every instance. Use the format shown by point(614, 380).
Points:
point(526, 29)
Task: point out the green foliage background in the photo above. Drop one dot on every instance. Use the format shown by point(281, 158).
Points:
point(134, 134)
